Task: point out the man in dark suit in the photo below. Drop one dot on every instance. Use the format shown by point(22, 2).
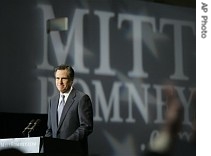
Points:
point(76, 120)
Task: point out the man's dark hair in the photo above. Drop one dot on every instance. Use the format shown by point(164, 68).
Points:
point(68, 68)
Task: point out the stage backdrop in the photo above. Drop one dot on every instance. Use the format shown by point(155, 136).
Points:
point(123, 52)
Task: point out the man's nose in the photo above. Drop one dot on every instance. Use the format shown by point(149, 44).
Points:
point(60, 81)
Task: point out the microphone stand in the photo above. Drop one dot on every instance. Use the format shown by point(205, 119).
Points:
point(33, 127)
point(28, 126)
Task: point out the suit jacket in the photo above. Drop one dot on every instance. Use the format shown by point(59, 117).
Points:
point(76, 121)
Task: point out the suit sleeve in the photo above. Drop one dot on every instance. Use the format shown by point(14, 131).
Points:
point(49, 129)
point(85, 114)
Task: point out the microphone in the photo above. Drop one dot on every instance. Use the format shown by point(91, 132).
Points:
point(28, 126)
point(33, 127)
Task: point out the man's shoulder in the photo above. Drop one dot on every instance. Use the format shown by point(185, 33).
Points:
point(78, 92)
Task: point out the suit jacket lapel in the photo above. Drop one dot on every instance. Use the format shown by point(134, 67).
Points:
point(68, 104)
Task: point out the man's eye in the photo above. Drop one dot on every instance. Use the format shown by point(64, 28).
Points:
point(64, 78)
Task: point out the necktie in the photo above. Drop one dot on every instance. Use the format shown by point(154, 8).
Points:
point(60, 107)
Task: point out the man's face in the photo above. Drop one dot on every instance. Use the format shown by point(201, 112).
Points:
point(63, 82)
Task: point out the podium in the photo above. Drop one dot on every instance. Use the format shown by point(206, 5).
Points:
point(44, 145)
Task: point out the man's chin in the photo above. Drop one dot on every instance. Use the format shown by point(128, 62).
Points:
point(61, 90)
